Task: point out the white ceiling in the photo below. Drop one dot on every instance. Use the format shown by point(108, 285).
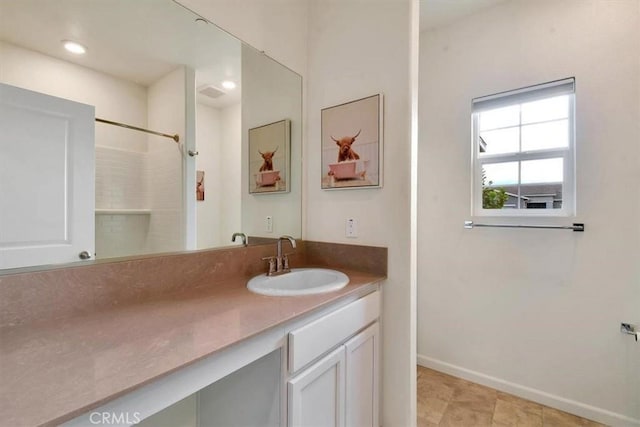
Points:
point(139, 40)
point(142, 40)
point(436, 13)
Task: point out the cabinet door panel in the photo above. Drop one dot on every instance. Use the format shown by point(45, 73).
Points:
point(316, 396)
point(362, 378)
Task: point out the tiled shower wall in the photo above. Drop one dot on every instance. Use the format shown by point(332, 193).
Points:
point(121, 184)
point(120, 179)
point(133, 181)
point(164, 183)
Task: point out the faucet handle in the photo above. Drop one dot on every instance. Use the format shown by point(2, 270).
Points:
point(272, 264)
point(285, 262)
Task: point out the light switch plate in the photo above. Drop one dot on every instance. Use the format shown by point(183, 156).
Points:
point(268, 224)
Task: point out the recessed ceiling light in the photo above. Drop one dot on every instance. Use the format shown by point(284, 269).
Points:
point(74, 47)
point(228, 84)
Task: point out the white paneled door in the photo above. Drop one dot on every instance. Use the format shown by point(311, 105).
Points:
point(47, 179)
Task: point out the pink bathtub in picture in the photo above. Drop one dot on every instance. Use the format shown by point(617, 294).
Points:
point(351, 169)
point(266, 178)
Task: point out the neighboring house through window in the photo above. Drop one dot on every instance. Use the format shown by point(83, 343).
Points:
point(523, 151)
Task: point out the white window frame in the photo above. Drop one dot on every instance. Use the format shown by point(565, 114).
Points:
point(519, 96)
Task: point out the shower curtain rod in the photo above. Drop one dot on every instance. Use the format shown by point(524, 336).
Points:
point(175, 137)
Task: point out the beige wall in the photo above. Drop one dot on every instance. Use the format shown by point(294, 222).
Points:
point(208, 142)
point(357, 49)
point(535, 311)
point(218, 142)
point(230, 169)
point(347, 49)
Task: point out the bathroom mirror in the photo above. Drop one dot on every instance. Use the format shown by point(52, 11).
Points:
point(157, 66)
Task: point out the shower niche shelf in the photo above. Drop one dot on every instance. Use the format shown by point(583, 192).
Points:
point(123, 211)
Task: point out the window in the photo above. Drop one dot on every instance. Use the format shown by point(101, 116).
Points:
point(523, 151)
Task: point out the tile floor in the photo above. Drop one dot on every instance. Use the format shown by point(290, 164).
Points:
point(444, 400)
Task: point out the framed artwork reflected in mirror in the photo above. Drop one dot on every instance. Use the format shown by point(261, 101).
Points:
point(269, 158)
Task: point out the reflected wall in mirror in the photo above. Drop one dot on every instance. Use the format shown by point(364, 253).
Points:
point(195, 81)
point(270, 95)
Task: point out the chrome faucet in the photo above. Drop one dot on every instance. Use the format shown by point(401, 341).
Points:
point(242, 236)
point(279, 264)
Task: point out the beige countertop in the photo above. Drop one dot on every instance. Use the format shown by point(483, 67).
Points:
point(53, 372)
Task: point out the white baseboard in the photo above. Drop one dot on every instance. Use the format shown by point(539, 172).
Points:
point(574, 407)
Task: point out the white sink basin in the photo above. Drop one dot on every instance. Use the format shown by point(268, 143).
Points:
point(300, 281)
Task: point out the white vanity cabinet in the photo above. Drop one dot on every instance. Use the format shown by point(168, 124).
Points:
point(341, 388)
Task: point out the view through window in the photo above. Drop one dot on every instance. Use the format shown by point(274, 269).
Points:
point(523, 144)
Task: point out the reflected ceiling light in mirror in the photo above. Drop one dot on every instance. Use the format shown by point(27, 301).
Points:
point(74, 47)
point(228, 84)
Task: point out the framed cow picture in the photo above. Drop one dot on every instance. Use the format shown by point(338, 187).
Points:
point(269, 151)
point(352, 144)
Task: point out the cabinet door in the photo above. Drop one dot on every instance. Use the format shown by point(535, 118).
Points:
point(362, 391)
point(316, 396)
point(46, 178)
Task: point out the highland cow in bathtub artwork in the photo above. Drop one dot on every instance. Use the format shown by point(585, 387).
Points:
point(352, 144)
point(269, 147)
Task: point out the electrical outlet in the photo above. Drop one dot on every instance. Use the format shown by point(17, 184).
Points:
point(268, 224)
point(351, 228)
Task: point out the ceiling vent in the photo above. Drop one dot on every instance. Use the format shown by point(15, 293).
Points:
point(211, 91)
